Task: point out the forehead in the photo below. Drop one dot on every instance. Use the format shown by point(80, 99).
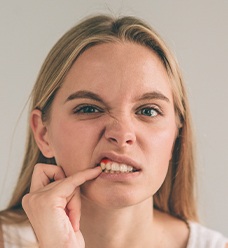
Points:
point(119, 67)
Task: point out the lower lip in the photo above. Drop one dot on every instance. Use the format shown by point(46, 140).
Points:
point(119, 176)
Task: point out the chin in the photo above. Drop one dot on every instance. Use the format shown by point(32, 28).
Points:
point(114, 197)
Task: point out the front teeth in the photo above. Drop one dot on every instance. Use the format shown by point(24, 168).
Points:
point(115, 167)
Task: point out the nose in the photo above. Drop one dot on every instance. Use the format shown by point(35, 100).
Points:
point(120, 132)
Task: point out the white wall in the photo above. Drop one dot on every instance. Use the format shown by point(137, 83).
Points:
point(197, 32)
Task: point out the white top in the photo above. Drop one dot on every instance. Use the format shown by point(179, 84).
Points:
point(202, 237)
point(18, 236)
point(199, 237)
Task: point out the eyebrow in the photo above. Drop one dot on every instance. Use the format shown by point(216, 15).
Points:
point(154, 95)
point(90, 95)
point(84, 94)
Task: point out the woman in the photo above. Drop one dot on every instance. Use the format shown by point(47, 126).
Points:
point(109, 159)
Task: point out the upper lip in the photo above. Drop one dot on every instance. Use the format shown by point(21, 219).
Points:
point(122, 159)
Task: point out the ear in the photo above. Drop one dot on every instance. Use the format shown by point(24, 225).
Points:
point(40, 133)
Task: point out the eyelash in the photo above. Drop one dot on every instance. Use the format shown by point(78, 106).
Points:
point(83, 109)
point(93, 109)
point(155, 109)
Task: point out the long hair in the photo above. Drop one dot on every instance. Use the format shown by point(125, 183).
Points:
point(177, 194)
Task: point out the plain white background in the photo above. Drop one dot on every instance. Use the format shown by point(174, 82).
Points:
point(195, 30)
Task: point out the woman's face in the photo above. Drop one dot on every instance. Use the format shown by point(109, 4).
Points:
point(115, 103)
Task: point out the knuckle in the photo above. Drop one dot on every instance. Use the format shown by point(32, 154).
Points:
point(28, 201)
point(25, 200)
point(34, 200)
point(39, 167)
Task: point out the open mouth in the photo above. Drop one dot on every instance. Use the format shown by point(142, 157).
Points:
point(109, 166)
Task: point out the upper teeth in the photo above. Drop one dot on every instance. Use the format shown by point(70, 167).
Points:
point(115, 167)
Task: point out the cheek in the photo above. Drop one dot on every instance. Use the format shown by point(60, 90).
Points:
point(165, 144)
point(159, 152)
point(73, 145)
point(160, 142)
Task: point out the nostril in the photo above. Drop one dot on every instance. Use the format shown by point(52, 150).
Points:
point(113, 139)
point(121, 141)
point(129, 142)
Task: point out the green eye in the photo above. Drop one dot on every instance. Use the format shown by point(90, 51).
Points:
point(151, 112)
point(87, 109)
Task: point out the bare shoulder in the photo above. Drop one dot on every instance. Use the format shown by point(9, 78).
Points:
point(226, 245)
point(175, 230)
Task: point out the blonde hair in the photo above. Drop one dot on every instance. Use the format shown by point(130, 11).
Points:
point(176, 195)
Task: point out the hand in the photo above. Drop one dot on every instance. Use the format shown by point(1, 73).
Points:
point(53, 205)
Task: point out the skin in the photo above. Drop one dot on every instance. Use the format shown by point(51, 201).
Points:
point(131, 118)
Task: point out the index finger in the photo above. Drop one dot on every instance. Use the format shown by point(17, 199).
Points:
point(67, 187)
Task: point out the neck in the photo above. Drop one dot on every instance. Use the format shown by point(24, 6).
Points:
point(127, 227)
